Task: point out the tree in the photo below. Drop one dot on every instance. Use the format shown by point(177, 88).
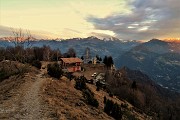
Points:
point(2, 53)
point(113, 109)
point(82, 57)
point(20, 39)
point(108, 61)
point(38, 53)
point(105, 99)
point(71, 53)
point(108, 106)
point(89, 97)
point(46, 53)
point(97, 57)
point(54, 70)
point(55, 55)
point(134, 86)
point(105, 60)
point(100, 59)
point(80, 83)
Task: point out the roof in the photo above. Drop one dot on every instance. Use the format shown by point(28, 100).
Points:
point(71, 60)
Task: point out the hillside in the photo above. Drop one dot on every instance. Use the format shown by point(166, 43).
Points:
point(158, 59)
point(35, 95)
point(138, 89)
point(21, 96)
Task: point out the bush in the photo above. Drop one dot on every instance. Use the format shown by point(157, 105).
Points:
point(80, 83)
point(113, 109)
point(89, 97)
point(124, 105)
point(54, 70)
point(10, 69)
point(110, 94)
point(87, 93)
point(3, 75)
point(36, 63)
point(105, 99)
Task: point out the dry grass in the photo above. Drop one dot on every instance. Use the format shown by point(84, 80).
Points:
point(61, 100)
point(69, 102)
point(15, 79)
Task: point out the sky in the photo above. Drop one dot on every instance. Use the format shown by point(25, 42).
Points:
point(124, 19)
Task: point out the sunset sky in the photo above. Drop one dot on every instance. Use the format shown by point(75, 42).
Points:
point(124, 19)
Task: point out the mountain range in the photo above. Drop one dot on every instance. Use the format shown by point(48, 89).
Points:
point(160, 60)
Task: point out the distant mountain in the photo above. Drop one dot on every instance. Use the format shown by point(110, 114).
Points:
point(111, 46)
point(158, 59)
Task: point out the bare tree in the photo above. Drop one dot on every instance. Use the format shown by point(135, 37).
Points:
point(20, 39)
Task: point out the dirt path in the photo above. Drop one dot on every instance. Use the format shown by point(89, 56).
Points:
point(32, 101)
point(26, 101)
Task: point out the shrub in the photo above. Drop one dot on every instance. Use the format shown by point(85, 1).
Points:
point(105, 99)
point(80, 83)
point(89, 97)
point(54, 70)
point(98, 85)
point(37, 64)
point(113, 109)
point(124, 105)
point(134, 85)
point(110, 94)
point(3, 75)
point(87, 93)
point(8, 70)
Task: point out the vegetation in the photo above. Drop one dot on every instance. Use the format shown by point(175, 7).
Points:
point(87, 94)
point(143, 94)
point(37, 64)
point(70, 53)
point(9, 68)
point(108, 61)
point(112, 109)
point(4, 74)
point(54, 70)
point(80, 83)
point(89, 97)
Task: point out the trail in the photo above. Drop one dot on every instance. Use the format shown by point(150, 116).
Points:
point(26, 102)
point(31, 103)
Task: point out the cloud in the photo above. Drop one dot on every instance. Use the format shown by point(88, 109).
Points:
point(147, 19)
point(7, 32)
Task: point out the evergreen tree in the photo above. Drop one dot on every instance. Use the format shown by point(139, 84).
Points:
point(82, 57)
point(134, 86)
point(105, 60)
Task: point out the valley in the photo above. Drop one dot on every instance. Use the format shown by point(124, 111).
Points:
point(158, 59)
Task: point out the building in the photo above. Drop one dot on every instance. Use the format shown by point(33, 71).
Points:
point(71, 64)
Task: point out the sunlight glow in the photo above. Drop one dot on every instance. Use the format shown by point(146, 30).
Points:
point(65, 19)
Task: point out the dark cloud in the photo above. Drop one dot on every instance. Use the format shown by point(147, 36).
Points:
point(148, 19)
